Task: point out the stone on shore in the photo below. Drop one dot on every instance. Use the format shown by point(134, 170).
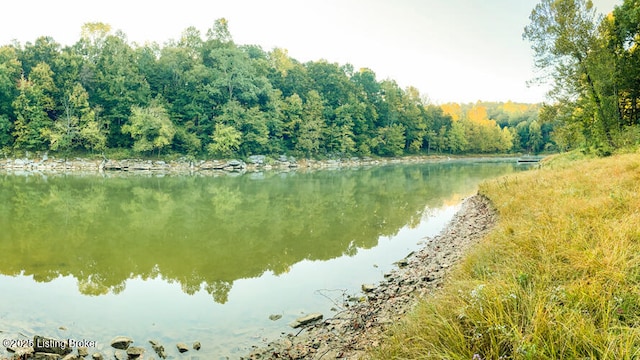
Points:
point(135, 352)
point(47, 356)
point(402, 263)
point(304, 320)
point(18, 351)
point(368, 288)
point(159, 349)
point(182, 347)
point(121, 342)
point(257, 159)
point(42, 344)
point(83, 351)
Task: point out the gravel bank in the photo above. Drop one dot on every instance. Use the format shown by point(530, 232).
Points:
point(362, 321)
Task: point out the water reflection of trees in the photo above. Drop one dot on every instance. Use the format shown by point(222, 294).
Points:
point(206, 232)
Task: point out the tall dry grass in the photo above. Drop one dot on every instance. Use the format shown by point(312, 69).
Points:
point(558, 278)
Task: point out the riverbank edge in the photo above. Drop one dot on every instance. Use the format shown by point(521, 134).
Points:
point(51, 165)
point(362, 320)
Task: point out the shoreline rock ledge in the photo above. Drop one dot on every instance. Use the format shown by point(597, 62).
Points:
point(360, 324)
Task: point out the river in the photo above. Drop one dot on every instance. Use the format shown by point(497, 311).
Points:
point(210, 258)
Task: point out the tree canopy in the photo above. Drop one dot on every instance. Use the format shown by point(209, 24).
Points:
point(208, 96)
point(594, 64)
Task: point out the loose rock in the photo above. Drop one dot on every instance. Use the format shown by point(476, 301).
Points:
point(159, 349)
point(46, 356)
point(182, 347)
point(134, 352)
point(19, 352)
point(121, 342)
point(304, 320)
point(42, 344)
point(83, 351)
point(368, 287)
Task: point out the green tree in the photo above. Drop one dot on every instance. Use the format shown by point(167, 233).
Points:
point(233, 74)
point(389, 108)
point(368, 95)
point(191, 39)
point(564, 37)
point(456, 138)
point(5, 131)
point(535, 137)
point(280, 61)
point(180, 77)
point(506, 140)
point(413, 117)
point(273, 112)
point(438, 127)
point(624, 38)
point(44, 50)
point(226, 139)
point(93, 37)
point(331, 82)
point(32, 108)
point(150, 128)
point(339, 135)
point(186, 142)
point(292, 118)
point(10, 72)
point(113, 80)
point(251, 123)
point(78, 126)
point(220, 32)
point(391, 140)
point(312, 125)
point(566, 134)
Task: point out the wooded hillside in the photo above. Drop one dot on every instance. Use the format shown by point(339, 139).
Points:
point(207, 96)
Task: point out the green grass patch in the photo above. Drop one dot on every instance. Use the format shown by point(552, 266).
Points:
point(558, 278)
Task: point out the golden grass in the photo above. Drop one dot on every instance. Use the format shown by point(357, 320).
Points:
point(558, 278)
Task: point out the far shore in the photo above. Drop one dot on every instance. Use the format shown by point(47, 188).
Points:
point(48, 164)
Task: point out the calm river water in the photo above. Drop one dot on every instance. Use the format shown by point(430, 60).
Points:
point(186, 258)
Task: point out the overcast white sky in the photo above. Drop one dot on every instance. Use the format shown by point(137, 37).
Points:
point(451, 50)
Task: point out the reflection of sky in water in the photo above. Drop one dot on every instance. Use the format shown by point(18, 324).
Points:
point(155, 309)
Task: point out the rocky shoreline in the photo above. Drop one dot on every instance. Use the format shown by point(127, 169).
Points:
point(362, 320)
point(45, 348)
point(47, 164)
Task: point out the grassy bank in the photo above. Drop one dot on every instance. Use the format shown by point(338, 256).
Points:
point(558, 278)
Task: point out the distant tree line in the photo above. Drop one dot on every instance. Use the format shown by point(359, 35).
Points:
point(594, 63)
point(207, 96)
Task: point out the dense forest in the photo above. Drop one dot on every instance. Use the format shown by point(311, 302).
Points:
point(593, 62)
point(208, 96)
